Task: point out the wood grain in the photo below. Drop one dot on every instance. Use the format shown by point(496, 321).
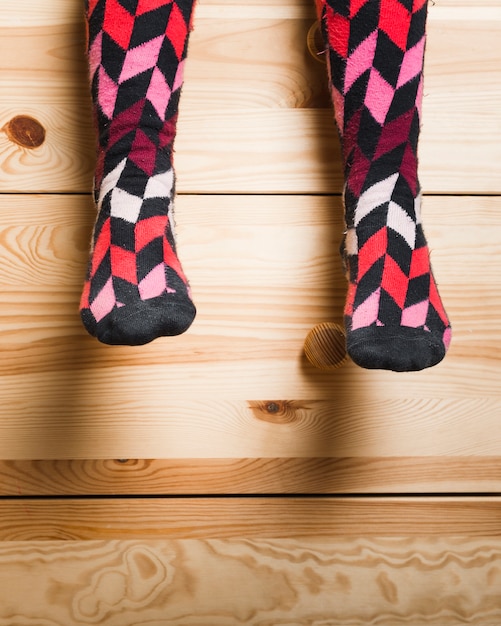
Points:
point(120, 426)
point(316, 582)
point(255, 97)
point(29, 519)
point(198, 476)
point(259, 288)
point(192, 429)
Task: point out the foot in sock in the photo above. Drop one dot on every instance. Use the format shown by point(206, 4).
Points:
point(394, 316)
point(135, 289)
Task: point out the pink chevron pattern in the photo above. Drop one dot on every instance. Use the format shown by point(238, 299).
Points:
point(375, 63)
point(379, 96)
point(140, 59)
point(136, 289)
point(360, 61)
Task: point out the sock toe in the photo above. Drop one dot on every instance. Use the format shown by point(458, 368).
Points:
point(141, 323)
point(398, 349)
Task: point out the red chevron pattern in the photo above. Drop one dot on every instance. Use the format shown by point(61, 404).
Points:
point(136, 289)
point(394, 315)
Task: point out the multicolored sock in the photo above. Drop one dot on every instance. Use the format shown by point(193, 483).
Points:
point(136, 290)
point(393, 315)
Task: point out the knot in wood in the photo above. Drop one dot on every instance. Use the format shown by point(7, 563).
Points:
point(276, 411)
point(272, 407)
point(26, 131)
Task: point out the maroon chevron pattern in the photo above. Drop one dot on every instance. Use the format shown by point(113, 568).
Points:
point(394, 315)
point(136, 289)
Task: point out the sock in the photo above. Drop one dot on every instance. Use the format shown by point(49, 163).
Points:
point(394, 316)
point(135, 289)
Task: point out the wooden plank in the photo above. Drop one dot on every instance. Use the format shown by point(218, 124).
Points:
point(358, 581)
point(255, 114)
point(259, 288)
point(44, 76)
point(449, 66)
point(33, 12)
point(458, 3)
point(29, 519)
point(75, 420)
point(251, 476)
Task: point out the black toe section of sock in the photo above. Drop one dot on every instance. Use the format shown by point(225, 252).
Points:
point(139, 324)
point(399, 349)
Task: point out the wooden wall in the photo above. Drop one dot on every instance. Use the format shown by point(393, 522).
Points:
point(217, 478)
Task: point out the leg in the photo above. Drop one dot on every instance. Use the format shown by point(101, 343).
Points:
point(394, 317)
point(136, 290)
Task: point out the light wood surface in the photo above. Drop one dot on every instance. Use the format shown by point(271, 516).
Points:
point(206, 394)
point(315, 582)
point(32, 519)
point(255, 114)
point(160, 477)
point(147, 486)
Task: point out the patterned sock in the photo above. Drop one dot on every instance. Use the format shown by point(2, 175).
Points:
point(393, 315)
point(136, 290)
